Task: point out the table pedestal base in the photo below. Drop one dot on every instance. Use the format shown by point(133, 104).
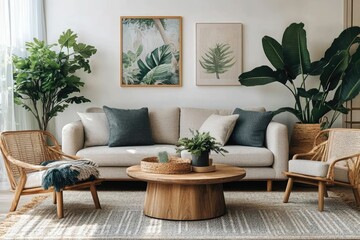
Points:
point(184, 202)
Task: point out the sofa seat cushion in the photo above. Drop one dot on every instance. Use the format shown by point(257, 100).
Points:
point(124, 156)
point(317, 169)
point(241, 156)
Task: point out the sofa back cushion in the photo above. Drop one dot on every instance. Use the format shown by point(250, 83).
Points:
point(164, 124)
point(193, 118)
point(96, 128)
point(128, 127)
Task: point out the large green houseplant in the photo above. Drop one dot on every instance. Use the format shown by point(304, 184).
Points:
point(45, 80)
point(338, 73)
point(200, 146)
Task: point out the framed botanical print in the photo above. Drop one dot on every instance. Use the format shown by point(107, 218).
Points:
point(218, 53)
point(150, 51)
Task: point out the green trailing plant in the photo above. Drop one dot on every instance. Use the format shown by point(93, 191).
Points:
point(45, 80)
point(218, 59)
point(199, 143)
point(338, 73)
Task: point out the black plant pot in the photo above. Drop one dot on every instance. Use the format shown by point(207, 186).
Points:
point(202, 160)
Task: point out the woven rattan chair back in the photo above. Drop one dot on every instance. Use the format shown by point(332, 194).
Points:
point(342, 143)
point(26, 146)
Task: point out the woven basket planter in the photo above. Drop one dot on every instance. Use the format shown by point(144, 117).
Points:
point(302, 138)
point(174, 166)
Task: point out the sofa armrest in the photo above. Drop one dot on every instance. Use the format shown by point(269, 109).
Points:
point(73, 137)
point(277, 142)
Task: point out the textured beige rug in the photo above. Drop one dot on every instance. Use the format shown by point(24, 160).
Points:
point(251, 215)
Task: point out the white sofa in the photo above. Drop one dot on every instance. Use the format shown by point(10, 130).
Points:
point(170, 124)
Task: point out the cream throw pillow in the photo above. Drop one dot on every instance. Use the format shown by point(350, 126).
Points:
point(96, 128)
point(220, 127)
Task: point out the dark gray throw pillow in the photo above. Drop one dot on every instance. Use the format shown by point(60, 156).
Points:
point(250, 128)
point(128, 127)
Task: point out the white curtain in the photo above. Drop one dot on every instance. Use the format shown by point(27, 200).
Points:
point(20, 22)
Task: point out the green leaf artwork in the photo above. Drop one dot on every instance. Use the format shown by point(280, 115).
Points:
point(151, 51)
point(218, 59)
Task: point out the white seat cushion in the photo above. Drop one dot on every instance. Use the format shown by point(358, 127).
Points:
point(125, 156)
point(34, 179)
point(317, 169)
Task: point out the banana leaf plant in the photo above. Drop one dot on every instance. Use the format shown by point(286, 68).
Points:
point(45, 81)
point(338, 73)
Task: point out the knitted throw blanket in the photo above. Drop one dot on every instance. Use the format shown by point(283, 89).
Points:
point(62, 173)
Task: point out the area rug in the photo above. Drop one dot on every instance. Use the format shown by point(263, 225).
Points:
point(250, 215)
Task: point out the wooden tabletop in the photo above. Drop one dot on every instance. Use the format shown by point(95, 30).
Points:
point(222, 174)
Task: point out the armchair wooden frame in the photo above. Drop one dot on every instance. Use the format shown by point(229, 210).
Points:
point(320, 152)
point(23, 151)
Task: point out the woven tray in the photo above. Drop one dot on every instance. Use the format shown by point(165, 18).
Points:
point(174, 166)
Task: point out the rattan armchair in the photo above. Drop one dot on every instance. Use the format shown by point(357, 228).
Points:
point(23, 151)
point(335, 160)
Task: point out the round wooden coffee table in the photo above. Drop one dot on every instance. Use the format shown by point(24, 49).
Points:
point(191, 196)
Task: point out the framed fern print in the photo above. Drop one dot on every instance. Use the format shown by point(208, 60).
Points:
point(150, 51)
point(218, 54)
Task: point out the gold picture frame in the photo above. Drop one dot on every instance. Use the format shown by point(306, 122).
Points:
point(226, 40)
point(151, 51)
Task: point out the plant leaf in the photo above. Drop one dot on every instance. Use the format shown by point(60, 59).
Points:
point(68, 38)
point(296, 54)
point(258, 76)
point(317, 67)
point(343, 42)
point(273, 51)
point(350, 86)
point(333, 71)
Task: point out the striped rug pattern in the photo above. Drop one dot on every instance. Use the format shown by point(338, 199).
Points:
point(250, 215)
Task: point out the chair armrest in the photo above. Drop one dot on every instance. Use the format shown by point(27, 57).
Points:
point(73, 137)
point(277, 141)
point(355, 157)
point(317, 153)
point(25, 165)
point(73, 157)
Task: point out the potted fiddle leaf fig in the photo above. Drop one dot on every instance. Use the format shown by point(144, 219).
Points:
point(200, 146)
point(337, 74)
point(45, 80)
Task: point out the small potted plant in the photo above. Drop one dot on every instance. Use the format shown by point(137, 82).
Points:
point(200, 146)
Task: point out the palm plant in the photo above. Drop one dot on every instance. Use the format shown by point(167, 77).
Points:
point(338, 71)
point(218, 59)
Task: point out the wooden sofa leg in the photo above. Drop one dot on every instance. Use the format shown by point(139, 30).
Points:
point(321, 193)
point(269, 185)
point(288, 190)
point(95, 196)
point(60, 204)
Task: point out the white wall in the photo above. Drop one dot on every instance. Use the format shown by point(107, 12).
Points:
point(97, 22)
